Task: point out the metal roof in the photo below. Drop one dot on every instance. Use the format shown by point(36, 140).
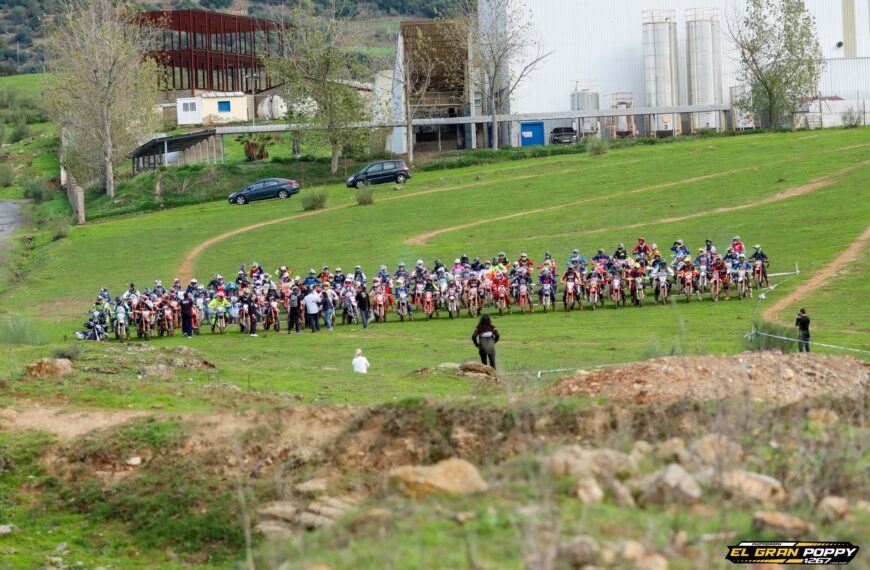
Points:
point(174, 143)
point(212, 94)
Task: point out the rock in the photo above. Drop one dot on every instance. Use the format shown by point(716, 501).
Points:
point(448, 366)
point(324, 512)
point(652, 562)
point(673, 450)
point(781, 524)
point(278, 510)
point(312, 521)
point(680, 539)
point(134, 461)
point(863, 505)
point(640, 449)
point(158, 372)
point(376, 516)
point(717, 450)
point(822, 416)
point(318, 567)
point(833, 509)
point(274, 530)
point(752, 486)
point(463, 517)
point(622, 494)
point(477, 368)
point(673, 484)
point(575, 461)
point(62, 547)
point(313, 486)
point(5, 529)
point(49, 368)
point(570, 460)
point(588, 491)
point(578, 552)
point(451, 476)
point(631, 550)
point(610, 463)
point(464, 441)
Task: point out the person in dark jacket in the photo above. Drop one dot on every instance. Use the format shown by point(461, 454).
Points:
point(187, 306)
point(250, 303)
point(294, 312)
point(802, 322)
point(364, 303)
point(485, 337)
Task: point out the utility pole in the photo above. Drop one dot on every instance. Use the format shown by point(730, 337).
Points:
point(253, 77)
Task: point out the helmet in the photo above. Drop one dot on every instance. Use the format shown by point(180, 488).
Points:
point(487, 263)
point(437, 261)
point(400, 281)
point(742, 256)
point(700, 250)
point(219, 277)
point(267, 276)
point(193, 281)
point(383, 267)
point(600, 250)
point(523, 255)
point(157, 282)
point(687, 258)
point(735, 238)
point(419, 263)
point(255, 264)
point(118, 299)
point(476, 260)
point(576, 252)
point(326, 268)
point(311, 272)
point(679, 242)
point(708, 241)
point(326, 285)
point(450, 277)
point(241, 272)
point(730, 250)
point(543, 271)
point(516, 264)
point(637, 265)
point(757, 247)
point(132, 285)
point(457, 260)
point(348, 281)
point(338, 269)
point(547, 254)
point(522, 271)
point(641, 238)
point(620, 246)
point(220, 295)
point(501, 254)
point(358, 268)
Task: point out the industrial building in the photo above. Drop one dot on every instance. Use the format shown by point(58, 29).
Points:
point(637, 54)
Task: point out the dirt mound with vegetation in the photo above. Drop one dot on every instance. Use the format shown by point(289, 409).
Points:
point(763, 376)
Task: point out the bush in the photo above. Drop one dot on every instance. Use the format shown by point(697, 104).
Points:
point(596, 147)
point(761, 342)
point(36, 190)
point(18, 330)
point(314, 199)
point(59, 228)
point(365, 196)
point(71, 352)
point(20, 132)
point(852, 118)
point(7, 175)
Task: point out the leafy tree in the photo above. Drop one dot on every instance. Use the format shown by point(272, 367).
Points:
point(781, 59)
point(256, 145)
point(215, 4)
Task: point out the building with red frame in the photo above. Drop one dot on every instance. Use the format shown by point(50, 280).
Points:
point(202, 50)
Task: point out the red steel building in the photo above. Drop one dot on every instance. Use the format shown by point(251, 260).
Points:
point(210, 51)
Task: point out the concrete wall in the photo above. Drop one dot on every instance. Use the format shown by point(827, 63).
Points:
point(239, 108)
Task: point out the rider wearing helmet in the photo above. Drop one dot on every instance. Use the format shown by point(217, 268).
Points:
point(311, 281)
point(547, 277)
point(458, 267)
point(680, 249)
point(255, 270)
point(737, 245)
point(402, 288)
point(571, 275)
point(741, 263)
point(401, 272)
point(476, 265)
point(220, 300)
point(620, 253)
point(642, 248)
point(502, 259)
point(759, 255)
point(525, 262)
point(359, 278)
point(600, 256)
point(708, 245)
point(324, 274)
point(420, 270)
point(521, 277)
point(338, 278)
point(730, 257)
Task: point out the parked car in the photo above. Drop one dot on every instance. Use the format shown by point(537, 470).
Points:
point(563, 135)
point(265, 189)
point(379, 173)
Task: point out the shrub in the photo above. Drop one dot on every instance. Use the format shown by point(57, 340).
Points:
point(852, 118)
point(314, 199)
point(2, 133)
point(20, 132)
point(36, 190)
point(7, 175)
point(596, 147)
point(71, 352)
point(18, 330)
point(762, 342)
point(59, 228)
point(365, 196)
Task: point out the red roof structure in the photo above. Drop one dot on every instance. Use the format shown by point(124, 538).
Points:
point(202, 50)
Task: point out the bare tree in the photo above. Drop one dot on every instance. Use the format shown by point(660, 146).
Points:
point(321, 71)
point(780, 57)
point(416, 62)
point(103, 89)
point(504, 49)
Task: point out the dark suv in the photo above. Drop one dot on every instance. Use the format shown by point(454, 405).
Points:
point(563, 135)
point(379, 173)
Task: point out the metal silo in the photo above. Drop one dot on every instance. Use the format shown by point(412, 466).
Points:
point(661, 67)
point(585, 100)
point(704, 65)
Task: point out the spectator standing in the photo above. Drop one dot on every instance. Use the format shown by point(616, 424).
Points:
point(485, 337)
point(294, 311)
point(802, 322)
point(187, 306)
point(360, 363)
point(328, 305)
point(312, 308)
point(364, 303)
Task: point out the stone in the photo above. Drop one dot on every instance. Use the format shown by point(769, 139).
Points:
point(780, 524)
point(451, 476)
point(673, 450)
point(278, 510)
point(134, 461)
point(575, 461)
point(158, 372)
point(651, 562)
point(863, 505)
point(376, 516)
point(312, 521)
point(631, 550)
point(588, 491)
point(49, 368)
point(313, 486)
point(716, 450)
point(822, 416)
point(680, 538)
point(477, 368)
point(832, 509)
point(5, 529)
point(274, 530)
point(640, 449)
point(449, 366)
point(609, 463)
point(463, 517)
point(570, 460)
point(622, 494)
point(579, 552)
point(750, 486)
point(673, 484)
point(319, 567)
point(62, 547)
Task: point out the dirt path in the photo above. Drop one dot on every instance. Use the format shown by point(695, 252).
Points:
point(828, 272)
point(63, 424)
point(10, 219)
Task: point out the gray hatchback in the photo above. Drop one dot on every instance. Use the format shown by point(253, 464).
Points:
point(265, 189)
point(380, 173)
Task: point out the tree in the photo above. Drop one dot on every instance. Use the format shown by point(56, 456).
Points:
point(415, 65)
point(780, 57)
point(503, 49)
point(256, 145)
point(321, 72)
point(103, 88)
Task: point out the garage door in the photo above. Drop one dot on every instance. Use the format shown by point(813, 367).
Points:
point(531, 134)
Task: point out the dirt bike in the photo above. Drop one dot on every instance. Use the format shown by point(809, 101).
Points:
point(501, 300)
point(703, 280)
point(715, 286)
point(429, 304)
point(165, 321)
point(402, 306)
point(220, 320)
point(418, 295)
point(594, 292)
point(488, 293)
point(547, 297)
point(273, 319)
point(244, 319)
point(451, 301)
point(662, 286)
point(637, 291)
point(743, 286)
point(144, 331)
point(523, 298)
point(758, 274)
point(176, 313)
point(379, 308)
point(473, 302)
point(569, 296)
point(688, 285)
point(122, 327)
point(616, 292)
point(351, 311)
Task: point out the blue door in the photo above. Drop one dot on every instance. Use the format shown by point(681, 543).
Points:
point(531, 134)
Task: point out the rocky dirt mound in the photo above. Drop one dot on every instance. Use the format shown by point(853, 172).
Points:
point(763, 376)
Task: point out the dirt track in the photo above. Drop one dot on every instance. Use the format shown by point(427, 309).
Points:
point(839, 264)
point(10, 219)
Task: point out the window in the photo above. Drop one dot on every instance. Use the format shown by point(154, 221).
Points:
point(375, 168)
point(189, 107)
point(223, 106)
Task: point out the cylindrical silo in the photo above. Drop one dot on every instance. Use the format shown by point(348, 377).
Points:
point(585, 100)
point(704, 65)
point(661, 66)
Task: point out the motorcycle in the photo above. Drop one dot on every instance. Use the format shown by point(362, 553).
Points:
point(351, 310)
point(402, 306)
point(501, 299)
point(488, 293)
point(758, 274)
point(547, 297)
point(594, 292)
point(244, 319)
point(176, 323)
point(715, 286)
point(273, 318)
point(418, 294)
point(473, 302)
point(429, 305)
point(617, 294)
point(523, 298)
point(569, 296)
point(94, 330)
point(145, 323)
point(220, 320)
point(380, 307)
point(662, 286)
point(122, 326)
point(451, 300)
point(688, 285)
point(743, 287)
point(165, 321)
point(637, 291)
point(703, 280)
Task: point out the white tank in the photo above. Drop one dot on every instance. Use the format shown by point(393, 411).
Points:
point(272, 108)
point(585, 100)
point(704, 64)
point(661, 65)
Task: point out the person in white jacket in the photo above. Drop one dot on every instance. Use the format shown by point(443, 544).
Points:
point(360, 363)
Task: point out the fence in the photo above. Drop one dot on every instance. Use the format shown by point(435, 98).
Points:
point(836, 112)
